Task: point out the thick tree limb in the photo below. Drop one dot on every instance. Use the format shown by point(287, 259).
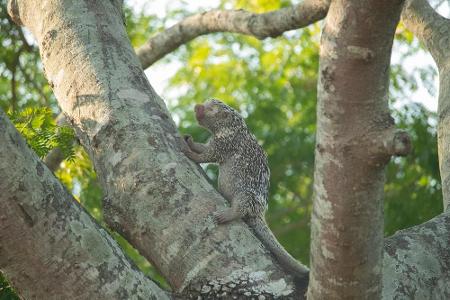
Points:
point(50, 248)
point(418, 15)
point(443, 128)
point(417, 261)
point(271, 24)
point(430, 27)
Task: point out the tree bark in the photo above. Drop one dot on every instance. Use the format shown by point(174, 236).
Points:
point(50, 247)
point(355, 139)
point(417, 261)
point(155, 197)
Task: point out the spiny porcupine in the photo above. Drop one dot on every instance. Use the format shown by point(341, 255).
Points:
point(243, 173)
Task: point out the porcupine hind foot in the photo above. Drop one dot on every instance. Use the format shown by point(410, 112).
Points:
point(226, 215)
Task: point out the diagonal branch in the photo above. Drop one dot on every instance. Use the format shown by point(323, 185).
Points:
point(49, 243)
point(430, 27)
point(434, 31)
point(261, 26)
point(416, 262)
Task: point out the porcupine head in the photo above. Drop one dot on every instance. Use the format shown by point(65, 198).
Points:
point(215, 115)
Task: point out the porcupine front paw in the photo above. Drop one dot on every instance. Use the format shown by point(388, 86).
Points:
point(224, 216)
point(188, 139)
point(184, 146)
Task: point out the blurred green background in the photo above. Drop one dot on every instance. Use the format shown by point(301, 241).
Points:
point(272, 82)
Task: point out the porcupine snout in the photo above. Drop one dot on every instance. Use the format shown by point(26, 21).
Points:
point(199, 111)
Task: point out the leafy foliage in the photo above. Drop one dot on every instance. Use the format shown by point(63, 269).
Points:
point(139, 25)
point(39, 128)
point(22, 82)
point(413, 189)
point(6, 291)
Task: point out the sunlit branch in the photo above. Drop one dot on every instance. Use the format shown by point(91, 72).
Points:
point(430, 27)
point(261, 26)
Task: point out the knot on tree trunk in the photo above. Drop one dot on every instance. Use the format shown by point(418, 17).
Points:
point(399, 144)
point(391, 142)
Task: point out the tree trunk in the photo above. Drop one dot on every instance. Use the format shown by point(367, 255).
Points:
point(355, 139)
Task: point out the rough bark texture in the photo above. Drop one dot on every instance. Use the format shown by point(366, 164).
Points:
point(50, 247)
point(444, 127)
point(353, 133)
point(156, 197)
point(433, 30)
point(271, 24)
point(417, 261)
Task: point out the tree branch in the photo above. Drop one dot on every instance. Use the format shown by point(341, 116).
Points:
point(49, 243)
point(434, 31)
point(430, 27)
point(418, 15)
point(271, 24)
point(417, 262)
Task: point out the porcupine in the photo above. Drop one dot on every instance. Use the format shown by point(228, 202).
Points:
point(243, 174)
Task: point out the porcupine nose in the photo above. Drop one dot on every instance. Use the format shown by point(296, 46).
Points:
point(199, 111)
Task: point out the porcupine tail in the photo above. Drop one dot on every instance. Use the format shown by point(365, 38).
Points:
point(265, 235)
